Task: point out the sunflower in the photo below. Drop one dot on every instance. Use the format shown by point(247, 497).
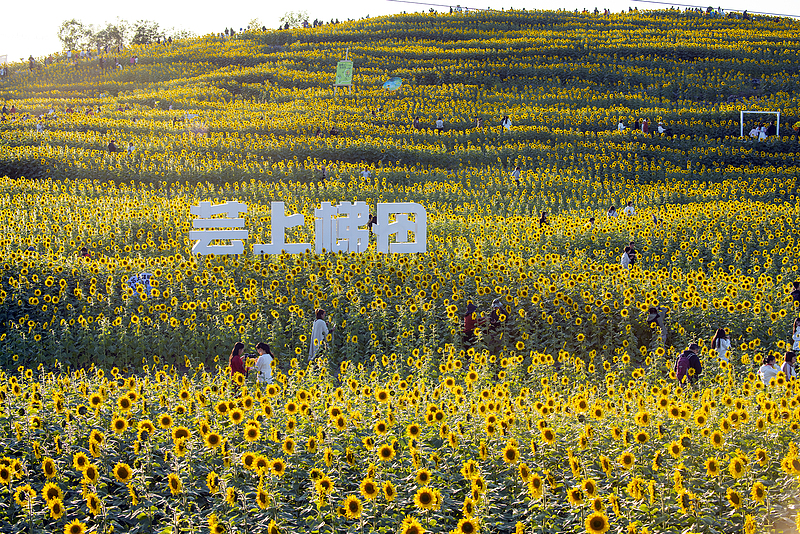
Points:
point(230, 496)
point(119, 425)
point(80, 461)
point(236, 416)
point(175, 484)
point(262, 498)
point(548, 436)
point(5, 474)
point(24, 495)
point(589, 486)
point(411, 526)
point(386, 453)
point(467, 526)
point(324, 485)
point(470, 470)
point(597, 523)
point(389, 491)
point(685, 501)
point(675, 449)
point(94, 504)
point(273, 528)
point(51, 492)
point(575, 496)
point(597, 505)
point(352, 507)
point(759, 492)
point(75, 527)
point(510, 454)
point(369, 489)
point(181, 432)
point(736, 468)
point(49, 468)
point(535, 486)
point(524, 472)
point(734, 498)
point(278, 467)
point(716, 439)
point(626, 460)
point(212, 440)
point(56, 508)
point(288, 446)
point(165, 420)
point(91, 474)
point(248, 460)
point(425, 498)
point(712, 467)
point(423, 477)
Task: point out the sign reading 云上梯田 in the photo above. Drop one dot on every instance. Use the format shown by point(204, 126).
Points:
point(336, 228)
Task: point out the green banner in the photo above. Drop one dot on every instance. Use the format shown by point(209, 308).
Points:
point(344, 73)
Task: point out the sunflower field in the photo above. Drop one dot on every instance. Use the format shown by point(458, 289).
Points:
point(118, 413)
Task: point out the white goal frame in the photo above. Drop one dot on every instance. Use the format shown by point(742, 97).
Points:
point(741, 120)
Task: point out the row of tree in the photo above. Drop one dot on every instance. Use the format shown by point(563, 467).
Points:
point(75, 35)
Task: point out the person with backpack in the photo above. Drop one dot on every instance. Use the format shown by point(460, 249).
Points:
point(688, 366)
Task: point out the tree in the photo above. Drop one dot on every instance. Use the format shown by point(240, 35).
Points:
point(254, 25)
point(72, 34)
point(293, 18)
point(145, 32)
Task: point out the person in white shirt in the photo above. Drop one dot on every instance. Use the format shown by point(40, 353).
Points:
point(439, 125)
point(721, 343)
point(319, 334)
point(621, 126)
point(625, 259)
point(263, 365)
point(612, 211)
point(365, 174)
point(629, 210)
point(516, 175)
point(506, 123)
point(769, 370)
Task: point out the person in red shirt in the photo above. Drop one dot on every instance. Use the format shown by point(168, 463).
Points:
point(471, 320)
point(235, 361)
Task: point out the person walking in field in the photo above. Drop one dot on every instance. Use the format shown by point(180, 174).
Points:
point(688, 366)
point(516, 175)
point(629, 210)
point(319, 334)
point(721, 343)
point(625, 259)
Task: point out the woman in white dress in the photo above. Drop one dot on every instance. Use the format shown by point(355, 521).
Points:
point(721, 343)
point(319, 334)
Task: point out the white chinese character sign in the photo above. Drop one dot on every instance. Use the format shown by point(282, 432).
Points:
point(336, 228)
point(219, 228)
